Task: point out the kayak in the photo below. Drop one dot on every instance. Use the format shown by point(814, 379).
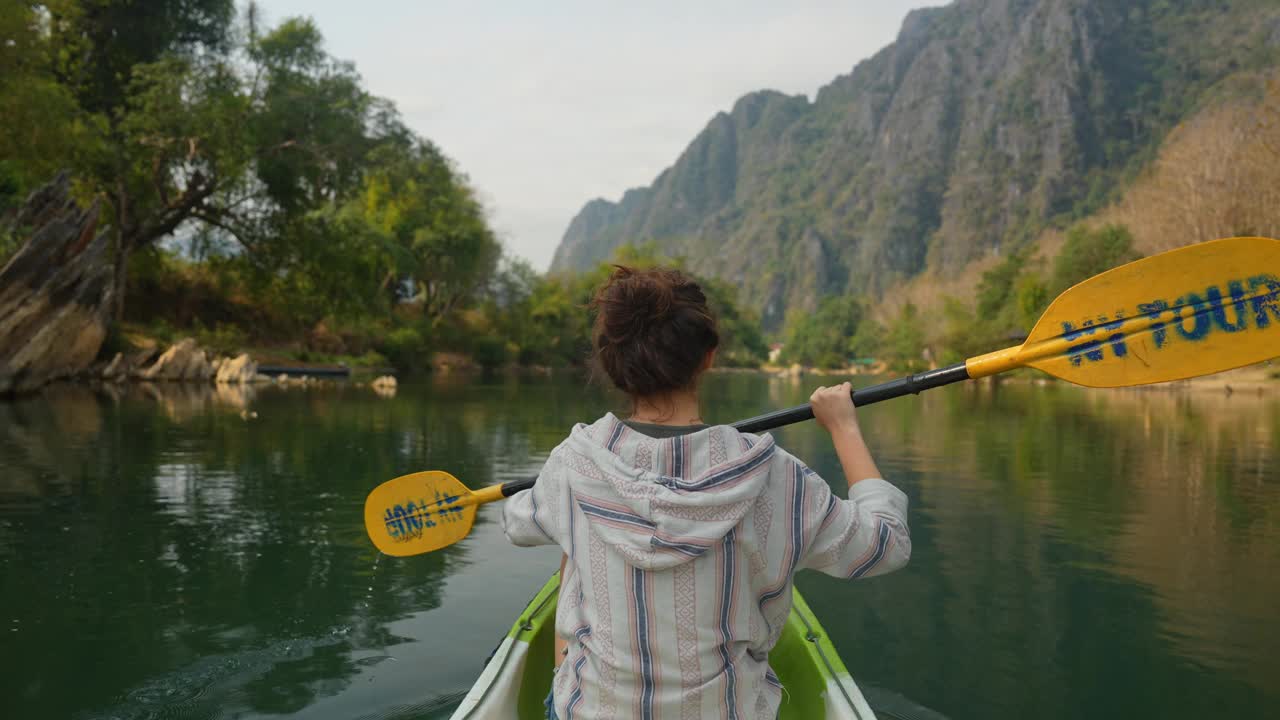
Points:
point(517, 678)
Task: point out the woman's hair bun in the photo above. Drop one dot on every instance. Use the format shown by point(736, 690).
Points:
point(638, 298)
point(653, 329)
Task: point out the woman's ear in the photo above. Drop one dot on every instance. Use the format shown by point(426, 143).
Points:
point(708, 361)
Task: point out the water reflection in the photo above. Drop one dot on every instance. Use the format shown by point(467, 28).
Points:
point(195, 551)
point(198, 561)
point(1091, 549)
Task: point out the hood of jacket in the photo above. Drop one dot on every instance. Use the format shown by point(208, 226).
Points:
point(662, 502)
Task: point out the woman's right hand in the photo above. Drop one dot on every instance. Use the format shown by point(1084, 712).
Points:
point(833, 408)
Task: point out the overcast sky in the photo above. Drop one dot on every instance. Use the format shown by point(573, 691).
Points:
point(546, 105)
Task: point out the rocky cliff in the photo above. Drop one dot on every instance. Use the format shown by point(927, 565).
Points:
point(985, 122)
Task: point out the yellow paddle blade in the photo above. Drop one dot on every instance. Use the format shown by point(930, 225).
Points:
point(1193, 311)
point(419, 513)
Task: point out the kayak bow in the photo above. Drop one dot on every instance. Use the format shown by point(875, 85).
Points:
point(517, 678)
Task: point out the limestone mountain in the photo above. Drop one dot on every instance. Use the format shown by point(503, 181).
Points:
point(985, 122)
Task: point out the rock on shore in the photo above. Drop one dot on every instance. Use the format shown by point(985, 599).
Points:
point(57, 293)
point(239, 370)
point(183, 361)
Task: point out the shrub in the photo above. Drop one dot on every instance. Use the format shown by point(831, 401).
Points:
point(1089, 252)
point(406, 349)
point(223, 339)
point(489, 351)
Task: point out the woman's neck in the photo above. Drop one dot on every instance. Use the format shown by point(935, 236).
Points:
point(676, 409)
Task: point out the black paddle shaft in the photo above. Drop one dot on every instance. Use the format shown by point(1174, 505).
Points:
point(910, 385)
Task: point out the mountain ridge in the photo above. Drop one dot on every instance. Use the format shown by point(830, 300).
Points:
point(983, 123)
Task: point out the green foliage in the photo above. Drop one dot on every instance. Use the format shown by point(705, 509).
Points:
point(432, 224)
point(118, 36)
point(823, 338)
point(1007, 303)
point(904, 341)
point(996, 289)
point(546, 319)
point(268, 148)
point(869, 340)
point(8, 243)
point(1032, 299)
point(741, 341)
point(41, 130)
point(489, 351)
point(223, 339)
point(1089, 252)
point(303, 198)
point(406, 348)
point(312, 122)
point(1013, 295)
point(959, 340)
point(542, 317)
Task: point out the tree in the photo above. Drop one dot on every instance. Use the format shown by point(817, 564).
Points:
point(117, 36)
point(741, 342)
point(904, 341)
point(547, 318)
point(1032, 297)
point(995, 293)
point(1217, 175)
point(184, 121)
point(441, 242)
point(822, 338)
point(39, 112)
point(267, 152)
point(1089, 252)
point(868, 342)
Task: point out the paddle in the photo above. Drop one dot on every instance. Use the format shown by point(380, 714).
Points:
point(1193, 311)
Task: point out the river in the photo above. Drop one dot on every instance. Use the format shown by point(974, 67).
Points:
point(180, 552)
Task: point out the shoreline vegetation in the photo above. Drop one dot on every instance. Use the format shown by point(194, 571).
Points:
point(151, 362)
point(210, 176)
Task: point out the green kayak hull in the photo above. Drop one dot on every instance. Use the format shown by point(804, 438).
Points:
point(516, 680)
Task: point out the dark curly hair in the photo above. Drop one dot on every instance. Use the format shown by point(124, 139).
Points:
point(653, 330)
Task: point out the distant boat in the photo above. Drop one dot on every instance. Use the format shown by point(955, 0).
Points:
point(299, 371)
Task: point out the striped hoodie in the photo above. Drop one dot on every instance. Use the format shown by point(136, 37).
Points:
point(682, 553)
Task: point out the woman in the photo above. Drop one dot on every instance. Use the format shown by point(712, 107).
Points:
point(681, 540)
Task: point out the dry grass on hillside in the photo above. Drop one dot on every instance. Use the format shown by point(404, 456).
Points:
point(1217, 175)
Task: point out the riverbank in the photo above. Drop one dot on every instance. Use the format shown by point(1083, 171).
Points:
point(1262, 378)
point(139, 355)
point(143, 360)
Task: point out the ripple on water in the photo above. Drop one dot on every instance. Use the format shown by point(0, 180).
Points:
point(202, 689)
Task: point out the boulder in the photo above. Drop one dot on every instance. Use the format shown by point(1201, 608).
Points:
point(57, 293)
point(183, 361)
point(239, 370)
point(117, 369)
point(137, 362)
point(384, 386)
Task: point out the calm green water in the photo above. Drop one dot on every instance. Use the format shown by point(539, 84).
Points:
point(1077, 554)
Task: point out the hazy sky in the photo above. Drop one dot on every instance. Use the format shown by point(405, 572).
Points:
point(546, 105)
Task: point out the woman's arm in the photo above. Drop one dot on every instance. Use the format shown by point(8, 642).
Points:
point(867, 534)
point(833, 409)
